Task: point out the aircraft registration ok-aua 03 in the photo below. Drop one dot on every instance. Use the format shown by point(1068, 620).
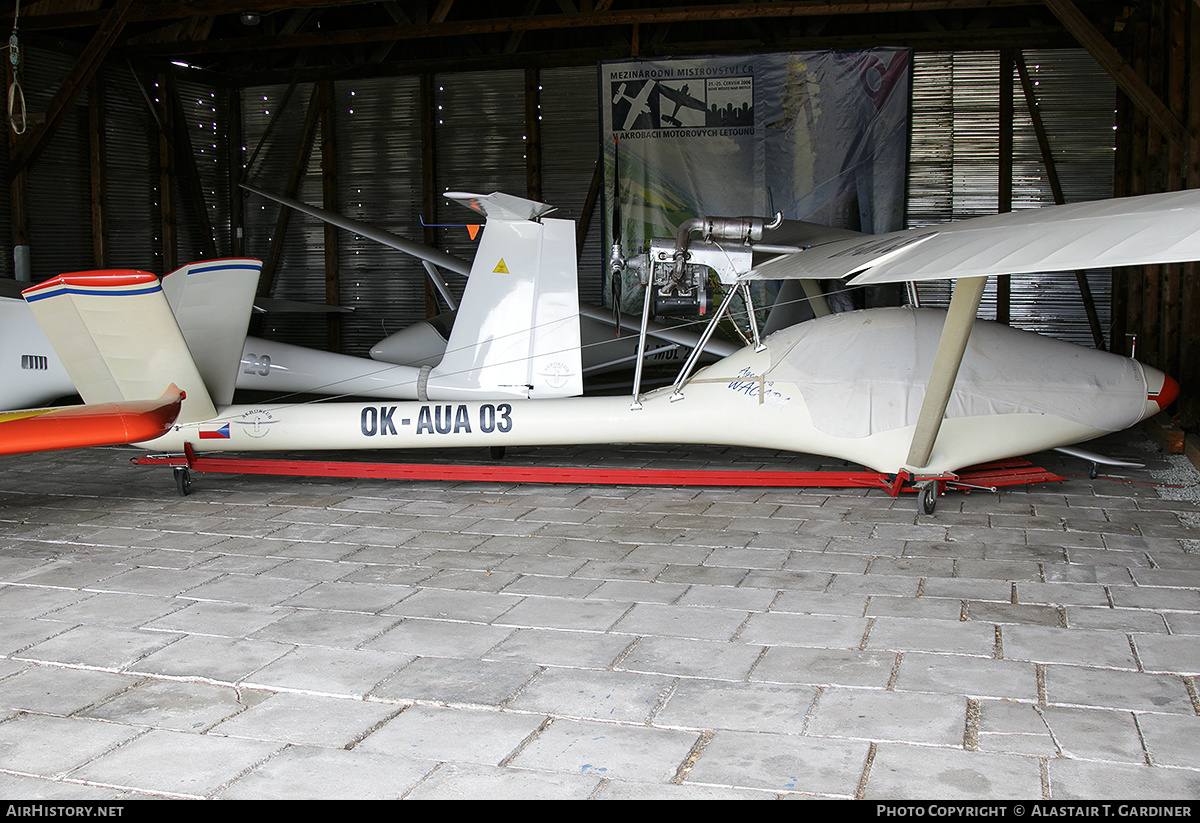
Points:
point(915, 394)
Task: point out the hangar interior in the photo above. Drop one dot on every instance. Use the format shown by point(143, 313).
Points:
point(134, 125)
point(271, 637)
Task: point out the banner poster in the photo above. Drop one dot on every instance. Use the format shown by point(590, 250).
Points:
point(819, 136)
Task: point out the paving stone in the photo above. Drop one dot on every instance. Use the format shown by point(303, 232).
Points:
point(1078, 646)
point(1116, 689)
point(1093, 734)
point(307, 720)
point(816, 766)
point(475, 682)
point(1089, 780)
point(825, 667)
point(57, 746)
point(608, 750)
point(488, 640)
point(683, 657)
point(951, 636)
point(175, 705)
point(457, 735)
point(58, 691)
point(977, 677)
point(99, 647)
point(696, 622)
point(1170, 738)
point(462, 781)
point(1008, 727)
point(901, 772)
point(600, 695)
point(551, 647)
point(176, 763)
point(339, 672)
point(747, 707)
point(890, 716)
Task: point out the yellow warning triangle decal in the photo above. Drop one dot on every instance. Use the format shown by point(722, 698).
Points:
point(500, 268)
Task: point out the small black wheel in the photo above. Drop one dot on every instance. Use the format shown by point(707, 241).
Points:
point(497, 452)
point(1093, 470)
point(183, 480)
point(927, 497)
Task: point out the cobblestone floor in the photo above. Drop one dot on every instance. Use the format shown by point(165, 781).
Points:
point(283, 637)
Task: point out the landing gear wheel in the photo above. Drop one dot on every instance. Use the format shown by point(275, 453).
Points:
point(927, 497)
point(497, 452)
point(183, 480)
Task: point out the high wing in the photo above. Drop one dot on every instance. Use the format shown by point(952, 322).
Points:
point(1123, 231)
point(422, 252)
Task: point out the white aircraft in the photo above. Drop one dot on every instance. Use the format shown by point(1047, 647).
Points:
point(424, 343)
point(916, 394)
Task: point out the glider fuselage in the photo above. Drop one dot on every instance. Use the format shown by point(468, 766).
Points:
point(810, 389)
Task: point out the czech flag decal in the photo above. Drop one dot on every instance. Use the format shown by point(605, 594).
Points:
point(216, 434)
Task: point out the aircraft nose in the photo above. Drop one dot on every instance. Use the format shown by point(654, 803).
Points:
point(1160, 388)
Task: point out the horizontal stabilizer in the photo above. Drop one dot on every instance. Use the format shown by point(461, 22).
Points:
point(501, 206)
point(118, 339)
point(1123, 231)
point(101, 424)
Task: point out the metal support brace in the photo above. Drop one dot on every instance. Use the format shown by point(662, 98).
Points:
point(690, 363)
point(746, 298)
point(960, 317)
point(641, 352)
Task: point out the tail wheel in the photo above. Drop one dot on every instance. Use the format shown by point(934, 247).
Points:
point(927, 497)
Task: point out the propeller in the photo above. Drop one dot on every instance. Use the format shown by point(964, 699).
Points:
point(616, 263)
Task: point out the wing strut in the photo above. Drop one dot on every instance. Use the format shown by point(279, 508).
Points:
point(960, 317)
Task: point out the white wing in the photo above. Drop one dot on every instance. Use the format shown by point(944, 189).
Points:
point(1123, 231)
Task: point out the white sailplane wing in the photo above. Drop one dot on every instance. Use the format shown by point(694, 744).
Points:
point(1123, 231)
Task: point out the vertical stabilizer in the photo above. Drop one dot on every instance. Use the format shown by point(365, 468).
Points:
point(117, 339)
point(516, 333)
point(212, 302)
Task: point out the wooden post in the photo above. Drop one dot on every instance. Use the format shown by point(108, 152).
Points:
point(429, 199)
point(533, 136)
point(166, 175)
point(333, 297)
point(1004, 204)
point(188, 174)
point(1056, 190)
point(97, 172)
point(299, 166)
point(233, 155)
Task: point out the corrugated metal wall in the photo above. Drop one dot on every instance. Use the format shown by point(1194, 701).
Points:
point(950, 179)
point(480, 141)
point(131, 170)
point(58, 190)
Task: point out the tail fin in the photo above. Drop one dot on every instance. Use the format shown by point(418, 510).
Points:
point(212, 302)
point(118, 340)
point(516, 333)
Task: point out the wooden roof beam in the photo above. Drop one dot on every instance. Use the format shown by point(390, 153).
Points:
point(1124, 75)
point(31, 145)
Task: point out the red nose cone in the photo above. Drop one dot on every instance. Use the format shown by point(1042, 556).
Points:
point(1167, 394)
